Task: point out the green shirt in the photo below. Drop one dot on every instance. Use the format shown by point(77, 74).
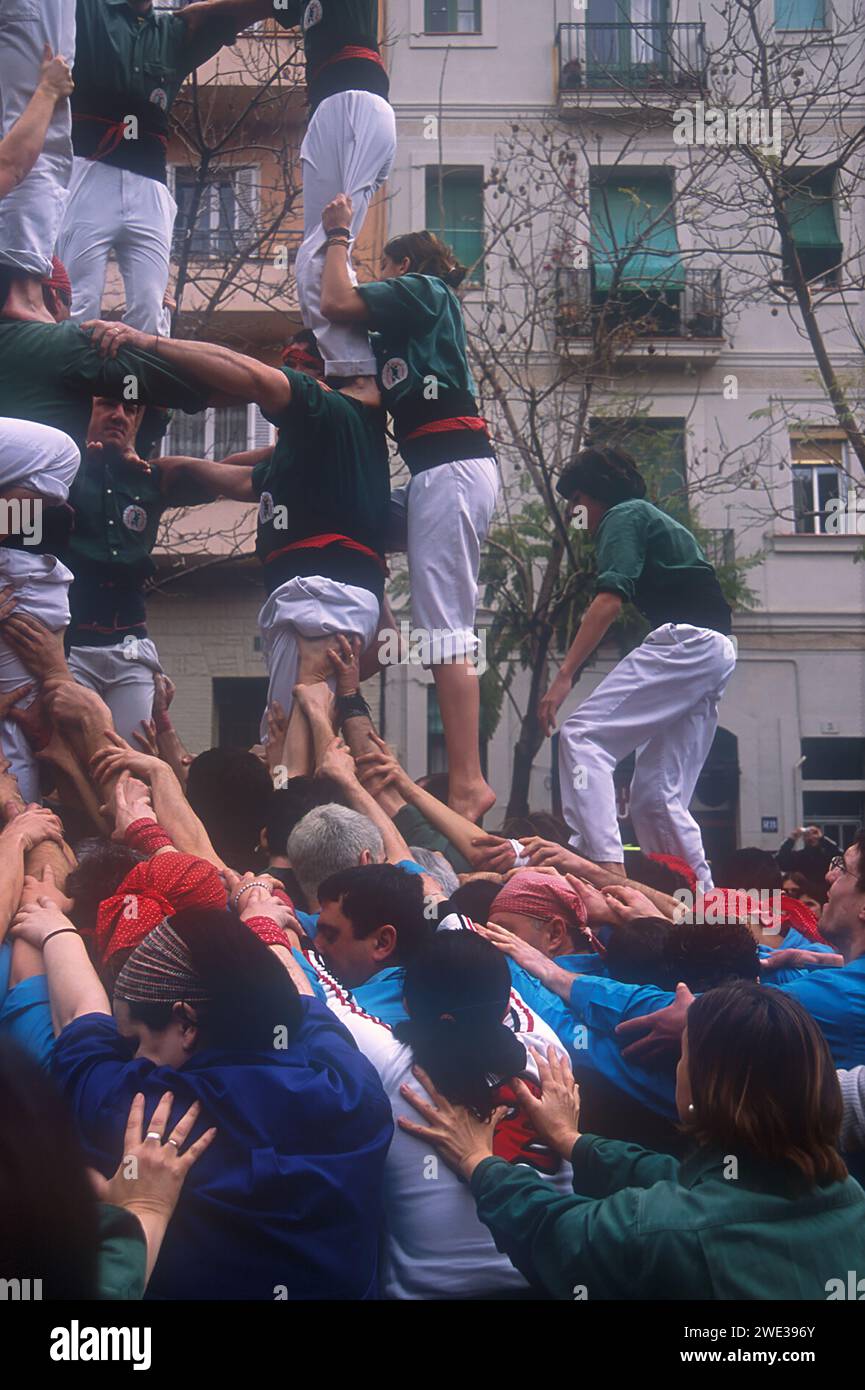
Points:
point(141, 58)
point(643, 1226)
point(126, 65)
point(122, 1254)
point(655, 563)
point(329, 26)
point(420, 346)
point(50, 372)
point(328, 475)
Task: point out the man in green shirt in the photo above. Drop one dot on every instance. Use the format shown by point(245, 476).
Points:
point(130, 65)
point(323, 498)
point(118, 505)
point(662, 699)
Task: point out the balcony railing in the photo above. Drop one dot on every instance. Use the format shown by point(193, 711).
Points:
point(624, 56)
point(692, 312)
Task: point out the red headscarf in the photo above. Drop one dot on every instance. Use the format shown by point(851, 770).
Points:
point(151, 892)
point(677, 865)
point(793, 913)
point(59, 280)
point(540, 895)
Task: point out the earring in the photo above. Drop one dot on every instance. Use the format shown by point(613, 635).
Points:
point(691, 1108)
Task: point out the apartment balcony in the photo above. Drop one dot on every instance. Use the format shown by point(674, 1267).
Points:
point(679, 322)
point(615, 65)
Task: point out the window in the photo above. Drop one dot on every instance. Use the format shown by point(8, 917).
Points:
point(811, 210)
point(634, 210)
point(800, 14)
point(216, 433)
point(818, 479)
point(833, 759)
point(452, 16)
point(658, 445)
point(455, 212)
point(226, 211)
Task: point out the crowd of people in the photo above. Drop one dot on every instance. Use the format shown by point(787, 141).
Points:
point(321, 1033)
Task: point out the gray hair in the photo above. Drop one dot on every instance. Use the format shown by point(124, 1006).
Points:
point(433, 862)
point(329, 839)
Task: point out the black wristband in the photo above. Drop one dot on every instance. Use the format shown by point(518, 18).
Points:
point(59, 932)
point(349, 706)
point(338, 231)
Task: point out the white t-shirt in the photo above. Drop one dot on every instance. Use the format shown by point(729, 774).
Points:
point(435, 1245)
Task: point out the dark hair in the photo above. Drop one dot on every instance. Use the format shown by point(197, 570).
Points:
point(427, 254)
point(469, 1050)
point(102, 866)
point(375, 895)
point(289, 804)
point(48, 1210)
point(763, 1081)
point(642, 869)
point(705, 955)
point(748, 868)
point(230, 790)
point(635, 951)
point(475, 898)
point(806, 886)
point(542, 823)
point(250, 995)
point(609, 475)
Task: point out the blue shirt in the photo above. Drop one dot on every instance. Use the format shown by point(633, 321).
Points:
point(287, 1200)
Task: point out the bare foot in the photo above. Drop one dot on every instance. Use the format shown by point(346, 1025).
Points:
point(473, 801)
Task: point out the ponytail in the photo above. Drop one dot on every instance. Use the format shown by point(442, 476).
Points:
point(427, 255)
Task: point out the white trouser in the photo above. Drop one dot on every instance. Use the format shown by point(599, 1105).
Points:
point(662, 700)
point(309, 606)
point(348, 148)
point(123, 676)
point(30, 215)
point(449, 510)
point(41, 587)
point(113, 208)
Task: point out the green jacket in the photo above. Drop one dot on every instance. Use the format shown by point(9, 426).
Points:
point(643, 1226)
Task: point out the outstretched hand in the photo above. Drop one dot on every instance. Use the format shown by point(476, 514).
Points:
point(556, 1113)
point(462, 1139)
point(661, 1032)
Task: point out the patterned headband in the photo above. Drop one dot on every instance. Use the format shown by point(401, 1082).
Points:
point(160, 971)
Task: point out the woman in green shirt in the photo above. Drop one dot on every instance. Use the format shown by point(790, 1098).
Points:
point(420, 345)
point(762, 1209)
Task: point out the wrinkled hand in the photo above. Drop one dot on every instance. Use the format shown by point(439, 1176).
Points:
point(46, 889)
point(556, 1114)
point(131, 803)
point(55, 75)
point(33, 826)
point(493, 853)
point(548, 706)
point(345, 660)
point(338, 212)
point(36, 919)
point(40, 649)
point(151, 1174)
point(662, 1031)
point(70, 704)
point(337, 762)
point(117, 755)
point(109, 338)
point(461, 1138)
point(627, 904)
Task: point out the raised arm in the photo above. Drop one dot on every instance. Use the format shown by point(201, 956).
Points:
point(340, 301)
point(21, 148)
point(597, 620)
point(236, 14)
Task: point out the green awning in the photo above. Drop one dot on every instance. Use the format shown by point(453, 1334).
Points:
point(635, 211)
point(812, 213)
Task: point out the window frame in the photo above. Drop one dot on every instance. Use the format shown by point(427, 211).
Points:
point(236, 173)
point(477, 279)
point(811, 470)
point(453, 7)
point(254, 431)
